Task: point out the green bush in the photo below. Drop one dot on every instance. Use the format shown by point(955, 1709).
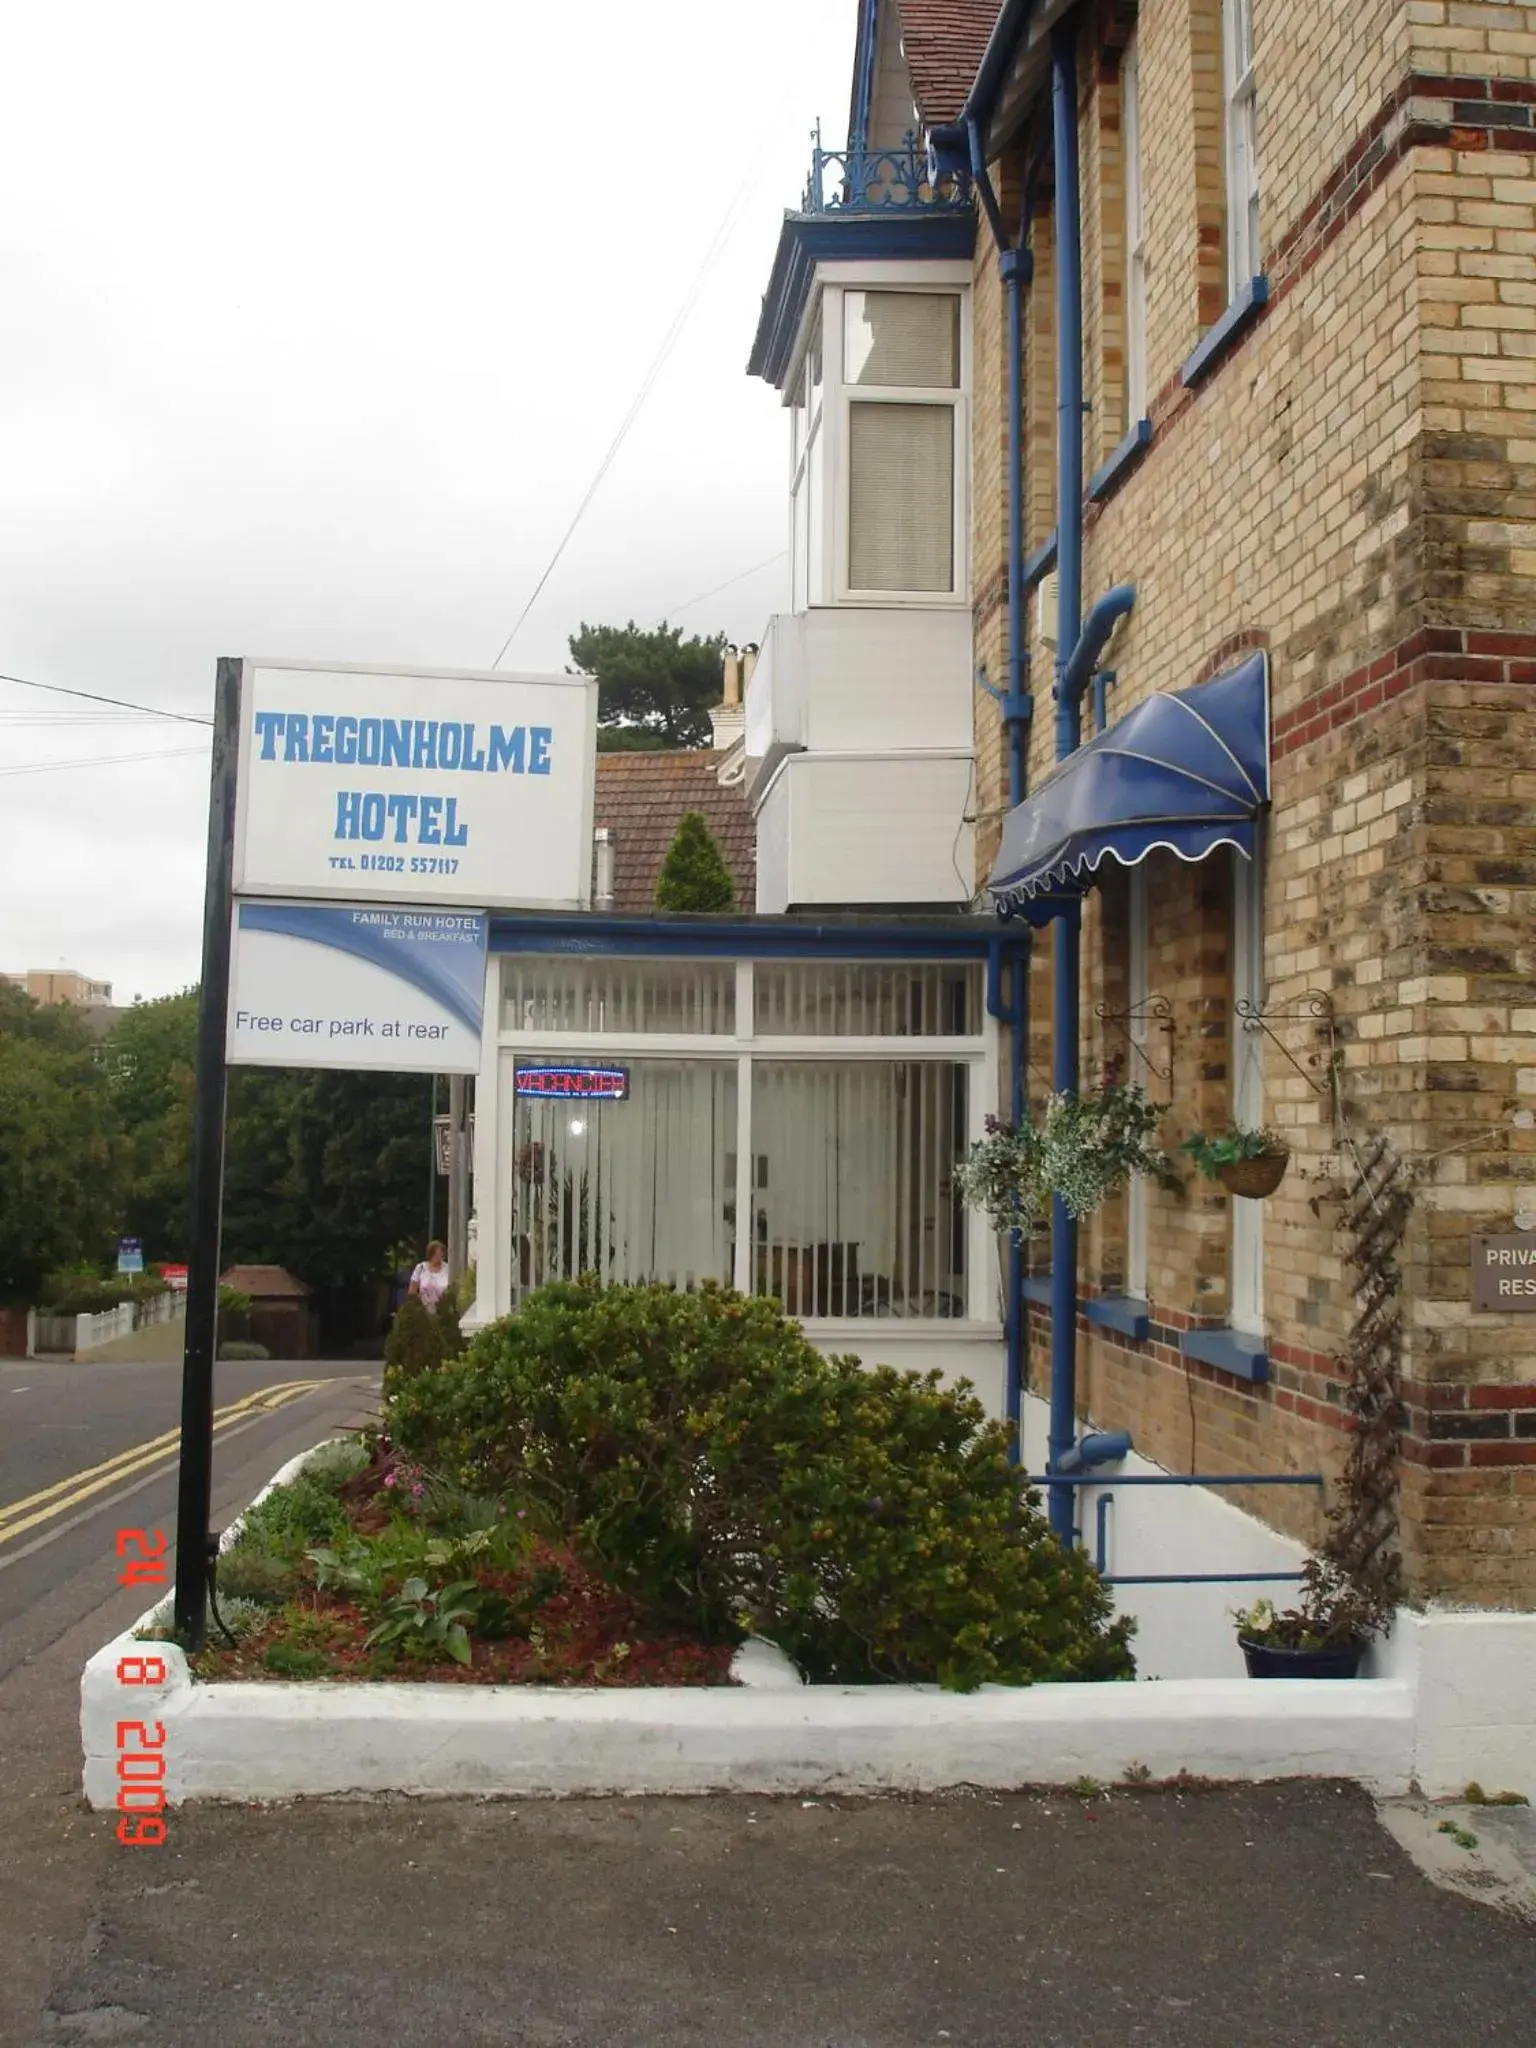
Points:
point(699, 1448)
point(334, 1464)
point(239, 1352)
point(248, 1572)
point(694, 875)
point(420, 1340)
point(291, 1517)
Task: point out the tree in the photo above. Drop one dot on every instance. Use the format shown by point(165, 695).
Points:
point(60, 1160)
point(324, 1173)
point(694, 875)
point(654, 688)
point(152, 1066)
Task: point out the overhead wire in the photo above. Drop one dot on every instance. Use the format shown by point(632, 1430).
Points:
point(118, 703)
point(669, 341)
point(730, 583)
point(100, 761)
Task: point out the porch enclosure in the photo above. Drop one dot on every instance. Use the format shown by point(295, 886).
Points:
point(791, 1128)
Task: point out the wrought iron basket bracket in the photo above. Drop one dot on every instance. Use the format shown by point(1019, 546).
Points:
point(1314, 1006)
point(1156, 1013)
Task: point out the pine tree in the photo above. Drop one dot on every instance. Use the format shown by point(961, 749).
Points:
point(694, 875)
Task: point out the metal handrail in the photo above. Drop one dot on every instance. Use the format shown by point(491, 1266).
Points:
point(1101, 1521)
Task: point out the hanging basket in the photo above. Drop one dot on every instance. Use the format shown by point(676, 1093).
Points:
point(1255, 1178)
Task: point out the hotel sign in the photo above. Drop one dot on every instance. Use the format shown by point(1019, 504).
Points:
point(1504, 1273)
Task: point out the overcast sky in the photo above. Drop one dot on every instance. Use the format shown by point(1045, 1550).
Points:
point(315, 323)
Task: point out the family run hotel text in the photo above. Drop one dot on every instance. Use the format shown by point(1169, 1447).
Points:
point(435, 745)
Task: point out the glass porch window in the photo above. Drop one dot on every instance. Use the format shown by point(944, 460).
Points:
point(854, 1207)
point(612, 995)
point(642, 1190)
point(851, 999)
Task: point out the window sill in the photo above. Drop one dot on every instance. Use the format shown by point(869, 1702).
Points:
point(1127, 1313)
point(1109, 474)
point(1227, 331)
point(1237, 1352)
point(1037, 1288)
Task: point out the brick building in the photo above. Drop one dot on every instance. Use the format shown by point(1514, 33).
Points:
point(1308, 330)
point(1306, 251)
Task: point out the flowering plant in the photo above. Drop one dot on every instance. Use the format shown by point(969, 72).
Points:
point(1084, 1148)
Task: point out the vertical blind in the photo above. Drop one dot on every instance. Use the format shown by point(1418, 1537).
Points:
point(901, 497)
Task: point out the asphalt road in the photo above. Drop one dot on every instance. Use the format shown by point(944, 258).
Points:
point(1269, 1917)
point(86, 1450)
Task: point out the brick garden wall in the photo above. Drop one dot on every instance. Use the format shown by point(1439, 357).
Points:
point(1354, 488)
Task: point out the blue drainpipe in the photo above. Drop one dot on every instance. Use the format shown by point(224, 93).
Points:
point(1067, 928)
point(1017, 707)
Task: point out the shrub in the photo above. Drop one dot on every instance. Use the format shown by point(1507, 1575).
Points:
point(239, 1352)
point(694, 875)
point(698, 1447)
point(334, 1464)
point(248, 1572)
point(304, 1511)
point(240, 1617)
point(420, 1340)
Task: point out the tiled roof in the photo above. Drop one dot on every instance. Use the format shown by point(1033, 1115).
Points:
point(264, 1283)
point(641, 797)
point(944, 41)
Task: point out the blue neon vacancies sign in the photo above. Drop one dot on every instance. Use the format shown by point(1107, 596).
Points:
point(414, 788)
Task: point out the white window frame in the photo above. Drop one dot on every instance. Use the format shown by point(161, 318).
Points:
point(494, 1159)
point(1138, 993)
point(949, 279)
point(1241, 144)
point(1135, 236)
point(806, 403)
point(1246, 1273)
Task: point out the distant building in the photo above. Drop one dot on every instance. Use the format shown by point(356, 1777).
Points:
point(62, 985)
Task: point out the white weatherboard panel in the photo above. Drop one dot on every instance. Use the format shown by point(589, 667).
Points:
point(865, 829)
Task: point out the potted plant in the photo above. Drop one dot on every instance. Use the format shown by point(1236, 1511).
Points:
point(1084, 1147)
point(1324, 1635)
point(1247, 1163)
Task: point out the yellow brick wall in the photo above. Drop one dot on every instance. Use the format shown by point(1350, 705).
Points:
point(1359, 474)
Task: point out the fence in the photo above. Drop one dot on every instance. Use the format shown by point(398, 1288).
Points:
point(73, 1335)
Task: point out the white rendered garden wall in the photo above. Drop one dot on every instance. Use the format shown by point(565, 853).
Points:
point(1450, 1698)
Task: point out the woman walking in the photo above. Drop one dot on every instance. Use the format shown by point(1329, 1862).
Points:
point(429, 1281)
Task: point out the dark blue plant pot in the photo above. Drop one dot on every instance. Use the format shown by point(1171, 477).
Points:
point(1270, 1660)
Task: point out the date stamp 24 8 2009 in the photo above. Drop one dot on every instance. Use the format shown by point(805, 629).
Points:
point(141, 1744)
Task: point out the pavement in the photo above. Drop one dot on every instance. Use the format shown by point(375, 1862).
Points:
point(1285, 1914)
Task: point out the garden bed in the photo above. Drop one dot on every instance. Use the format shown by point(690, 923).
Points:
point(345, 1578)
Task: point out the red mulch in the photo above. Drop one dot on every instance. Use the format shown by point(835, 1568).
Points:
point(584, 1629)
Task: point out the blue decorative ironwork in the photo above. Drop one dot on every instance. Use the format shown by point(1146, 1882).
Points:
point(848, 181)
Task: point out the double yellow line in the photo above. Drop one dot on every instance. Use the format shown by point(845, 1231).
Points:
point(58, 1499)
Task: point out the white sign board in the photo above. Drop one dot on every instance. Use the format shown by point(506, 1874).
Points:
point(356, 986)
point(415, 786)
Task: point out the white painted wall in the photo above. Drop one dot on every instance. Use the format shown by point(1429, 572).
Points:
point(874, 828)
point(773, 850)
point(862, 676)
point(960, 1350)
point(1449, 1698)
point(1181, 1631)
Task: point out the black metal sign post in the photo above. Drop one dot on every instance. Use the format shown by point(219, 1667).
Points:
point(195, 1487)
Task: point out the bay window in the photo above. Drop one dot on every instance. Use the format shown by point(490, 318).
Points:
point(879, 468)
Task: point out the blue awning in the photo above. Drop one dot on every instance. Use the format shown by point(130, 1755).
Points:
point(1187, 770)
